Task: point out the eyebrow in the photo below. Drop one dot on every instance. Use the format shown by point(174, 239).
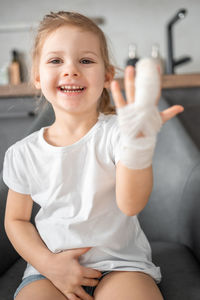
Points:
point(62, 52)
point(55, 52)
point(90, 52)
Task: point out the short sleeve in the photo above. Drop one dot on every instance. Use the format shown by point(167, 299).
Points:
point(14, 171)
point(115, 142)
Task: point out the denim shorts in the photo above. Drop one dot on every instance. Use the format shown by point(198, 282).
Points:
point(89, 289)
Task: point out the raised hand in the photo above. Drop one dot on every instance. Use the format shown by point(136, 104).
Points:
point(129, 85)
point(65, 272)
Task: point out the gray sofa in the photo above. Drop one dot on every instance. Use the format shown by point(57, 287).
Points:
point(170, 220)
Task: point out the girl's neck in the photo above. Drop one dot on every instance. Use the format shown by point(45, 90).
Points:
point(68, 130)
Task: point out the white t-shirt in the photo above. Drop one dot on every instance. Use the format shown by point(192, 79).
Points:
point(75, 188)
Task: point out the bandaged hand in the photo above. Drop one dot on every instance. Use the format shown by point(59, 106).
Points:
point(139, 119)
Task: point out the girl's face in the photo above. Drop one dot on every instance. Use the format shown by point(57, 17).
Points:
point(71, 70)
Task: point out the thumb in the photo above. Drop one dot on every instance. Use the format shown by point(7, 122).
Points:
point(171, 112)
point(80, 251)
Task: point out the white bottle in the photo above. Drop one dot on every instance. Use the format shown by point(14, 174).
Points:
point(155, 54)
point(132, 55)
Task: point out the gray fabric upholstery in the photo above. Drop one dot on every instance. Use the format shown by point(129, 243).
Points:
point(189, 98)
point(170, 219)
point(8, 256)
point(10, 280)
point(176, 169)
point(180, 271)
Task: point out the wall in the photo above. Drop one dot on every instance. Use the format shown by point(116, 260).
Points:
point(140, 21)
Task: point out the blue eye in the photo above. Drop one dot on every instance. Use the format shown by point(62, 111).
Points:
point(86, 61)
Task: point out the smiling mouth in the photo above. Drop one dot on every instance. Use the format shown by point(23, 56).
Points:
point(71, 89)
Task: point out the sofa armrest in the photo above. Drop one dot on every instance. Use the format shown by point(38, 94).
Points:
point(189, 212)
point(172, 211)
point(7, 253)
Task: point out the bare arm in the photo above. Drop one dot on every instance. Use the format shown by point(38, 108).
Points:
point(63, 269)
point(134, 186)
point(22, 233)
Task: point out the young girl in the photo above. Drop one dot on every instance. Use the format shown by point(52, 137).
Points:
point(90, 172)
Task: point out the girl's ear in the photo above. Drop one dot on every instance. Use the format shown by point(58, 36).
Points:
point(37, 82)
point(109, 77)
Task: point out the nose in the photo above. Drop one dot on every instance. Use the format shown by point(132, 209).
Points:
point(71, 70)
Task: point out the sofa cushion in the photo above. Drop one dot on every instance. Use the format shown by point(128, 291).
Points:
point(7, 253)
point(176, 159)
point(11, 279)
point(180, 271)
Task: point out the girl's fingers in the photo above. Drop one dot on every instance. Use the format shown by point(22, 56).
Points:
point(129, 84)
point(80, 292)
point(160, 91)
point(171, 112)
point(91, 273)
point(89, 282)
point(117, 95)
point(78, 252)
point(71, 296)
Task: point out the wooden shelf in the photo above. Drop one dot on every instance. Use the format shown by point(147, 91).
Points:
point(176, 81)
point(180, 81)
point(21, 90)
point(168, 82)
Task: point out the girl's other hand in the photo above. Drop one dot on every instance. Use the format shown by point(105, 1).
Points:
point(129, 85)
point(65, 272)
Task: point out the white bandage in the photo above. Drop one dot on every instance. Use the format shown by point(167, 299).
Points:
point(147, 82)
point(142, 116)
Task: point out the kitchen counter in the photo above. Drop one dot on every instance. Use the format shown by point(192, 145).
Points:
point(168, 82)
point(176, 81)
point(21, 90)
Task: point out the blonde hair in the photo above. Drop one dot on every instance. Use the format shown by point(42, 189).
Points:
point(53, 21)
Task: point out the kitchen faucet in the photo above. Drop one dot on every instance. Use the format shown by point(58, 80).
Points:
point(171, 62)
